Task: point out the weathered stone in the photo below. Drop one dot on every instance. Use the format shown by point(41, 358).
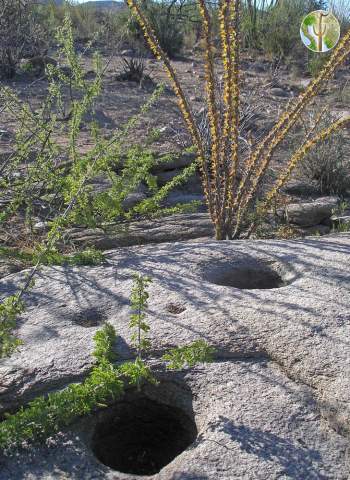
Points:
point(308, 214)
point(316, 230)
point(279, 92)
point(181, 161)
point(166, 229)
point(5, 135)
point(40, 227)
point(301, 189)
point(9, 266)
point(127, 53)
point(179, 197)
point(274, 404)
point(133, 199)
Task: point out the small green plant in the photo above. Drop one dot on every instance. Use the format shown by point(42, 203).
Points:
point(66, 188)
point(10, 308)
point(342, 227)
point(341, 208)
point(139, 302)
point(90, 256)
point(189, 355)
point(138, 371)
point(47, 414)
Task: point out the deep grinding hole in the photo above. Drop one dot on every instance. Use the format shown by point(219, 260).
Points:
point(142, 436)
point(91, 317)
point(248, 275)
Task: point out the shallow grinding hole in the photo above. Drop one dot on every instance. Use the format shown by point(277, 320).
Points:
point(91, 317)
point(249, 274)
point(141, 436)
point(175, 308)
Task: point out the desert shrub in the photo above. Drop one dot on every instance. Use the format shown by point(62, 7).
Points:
point(229, 194)
point(315, 62)
point(328, 166)
point(134, 70)
point(87, 20)
point(21, 35)
point(167, 28)
point(166, 21)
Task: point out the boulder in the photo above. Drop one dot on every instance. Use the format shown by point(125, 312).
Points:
point(181, 161)
point(133, 199)
point(308, 214)
point(165, 229)
point(279, 92)
point(180, 197)
point(8, 266)
point(301, 189)
point(316, 230)
point(275, 403)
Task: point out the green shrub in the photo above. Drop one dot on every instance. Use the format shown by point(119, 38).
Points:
point(166, 23)
point(21, 35)
point(47, 414)
point(329, 164)
point(315, 62)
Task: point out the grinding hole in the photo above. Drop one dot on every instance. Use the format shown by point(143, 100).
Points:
point(141, 436)
point(91, 317)
point(249, 275)
point(175, 308)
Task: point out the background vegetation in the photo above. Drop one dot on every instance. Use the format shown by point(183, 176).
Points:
point(265, 28)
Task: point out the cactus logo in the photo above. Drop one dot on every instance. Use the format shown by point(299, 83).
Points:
point(320, 31)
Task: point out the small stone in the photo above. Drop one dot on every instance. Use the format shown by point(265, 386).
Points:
point(279, 92)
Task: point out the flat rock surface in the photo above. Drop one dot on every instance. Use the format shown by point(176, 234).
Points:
point(252, 421)
point(282, 370)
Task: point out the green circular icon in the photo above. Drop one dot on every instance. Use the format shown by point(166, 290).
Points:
point(320, 31)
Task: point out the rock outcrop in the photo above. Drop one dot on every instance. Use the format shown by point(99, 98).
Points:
point(275, 402)
point(165, 229)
